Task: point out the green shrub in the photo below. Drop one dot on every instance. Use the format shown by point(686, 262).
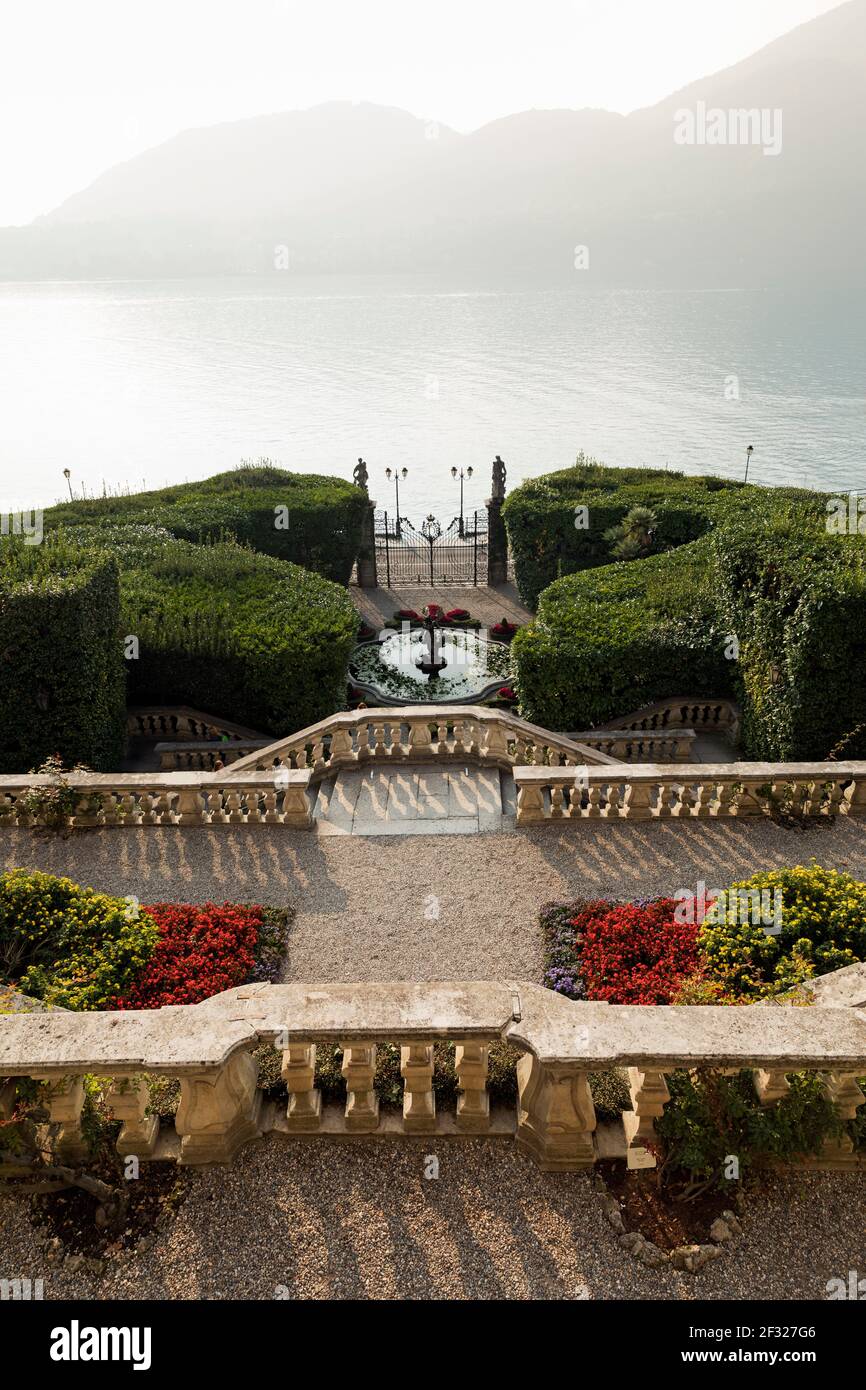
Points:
point(711, 1116)
point(796, 599)
point(234, 632)
point(67, 945)
point(823, 928)
point(610, 640)
point(540, 516)
point(312, 520)
point(61, 658)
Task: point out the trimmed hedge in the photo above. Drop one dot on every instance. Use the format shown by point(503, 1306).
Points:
point(244, 635)
point(61, 659)
point(546, 544)
point(796, 598)
point(610, 640)
point(319, 524)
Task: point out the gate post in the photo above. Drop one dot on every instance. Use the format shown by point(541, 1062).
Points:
point(497, 538)
point(367, 577)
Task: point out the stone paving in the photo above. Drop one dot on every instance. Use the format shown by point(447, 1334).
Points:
point(486, 602)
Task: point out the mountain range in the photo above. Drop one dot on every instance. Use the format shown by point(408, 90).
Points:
point(363, 188)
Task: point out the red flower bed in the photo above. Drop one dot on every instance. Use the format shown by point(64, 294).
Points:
point(636, 953)
point(203, 949)
point(457, 615)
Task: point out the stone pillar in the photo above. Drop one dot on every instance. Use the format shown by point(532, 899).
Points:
point(304, 1113)
point(842, 1089)
point(129, 1098)
point(367, 578)
point(8, 1094)
point(219, 1111)
point(497, 543)
point(419, 1104)
point(555, 1114)
point(362, 1103)
point(770, 1086)
point(649, 1093)
point(64, 1103)
point(530, 803)
point(494, 743)
point(473, 1102)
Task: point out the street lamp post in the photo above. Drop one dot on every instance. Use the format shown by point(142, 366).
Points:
point(398, 474)
point(68, 476)
point(749, 452)
point(468, 474)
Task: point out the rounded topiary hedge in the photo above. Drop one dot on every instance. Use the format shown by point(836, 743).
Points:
point(768, 605)
point(67, 945)
point(796, 598)
point(233, 632)
point(545, 542)
point(61, 658)
point(312, 520)
point(609, 640)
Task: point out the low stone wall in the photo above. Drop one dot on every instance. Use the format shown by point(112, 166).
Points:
point(647, 791)
point(208, 1047)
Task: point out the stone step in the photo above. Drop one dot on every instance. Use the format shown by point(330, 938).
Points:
point(420, 800)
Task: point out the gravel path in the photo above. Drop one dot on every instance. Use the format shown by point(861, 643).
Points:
point(318, 1219)
point(357, 1219)
point(426, 907)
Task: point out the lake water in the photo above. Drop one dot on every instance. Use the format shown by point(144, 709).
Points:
point(132, 384)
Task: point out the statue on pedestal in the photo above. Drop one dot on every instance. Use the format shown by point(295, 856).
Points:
point(498, 479)
point(360, 474)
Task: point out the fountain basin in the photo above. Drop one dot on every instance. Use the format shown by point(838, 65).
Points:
point(387, 674)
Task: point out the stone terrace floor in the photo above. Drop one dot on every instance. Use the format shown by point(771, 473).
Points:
point(356, 1218)
point(364, 904)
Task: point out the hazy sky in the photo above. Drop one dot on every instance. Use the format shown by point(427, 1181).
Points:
point(84, 85)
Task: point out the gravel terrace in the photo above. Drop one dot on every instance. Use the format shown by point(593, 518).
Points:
point(319, 1219)
point(357, 1218)
point(426, 907)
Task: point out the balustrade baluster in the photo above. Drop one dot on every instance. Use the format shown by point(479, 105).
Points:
point(473, 1102)
point(304, 1113)
point(419, 1103)
point(649, 1095)
point(362, 1103)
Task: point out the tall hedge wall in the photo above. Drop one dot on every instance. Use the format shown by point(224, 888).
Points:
point(546, 544)
point(61, 658)
point(766, 572)
point(227, 630)
point(312, 520)
point(609, 640)
point(796, 599)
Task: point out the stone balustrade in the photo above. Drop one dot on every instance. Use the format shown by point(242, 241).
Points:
point(692, 791)
point(204, 754)
point(209, 1048)
point(181, 722)
point(679, 711)
point(641, 746)
point(422, 733)
point(166, 798)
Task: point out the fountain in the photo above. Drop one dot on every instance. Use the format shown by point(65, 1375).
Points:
point(434, 664)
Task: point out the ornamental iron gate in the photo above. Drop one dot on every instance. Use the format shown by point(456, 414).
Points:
point(430, 554)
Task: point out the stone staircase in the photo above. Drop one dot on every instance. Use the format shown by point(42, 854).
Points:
point(416, 800)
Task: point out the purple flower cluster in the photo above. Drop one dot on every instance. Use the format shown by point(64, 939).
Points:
point(565, 982)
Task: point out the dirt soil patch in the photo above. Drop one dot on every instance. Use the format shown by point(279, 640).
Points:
point(72, 1216)
point(661, 1219)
